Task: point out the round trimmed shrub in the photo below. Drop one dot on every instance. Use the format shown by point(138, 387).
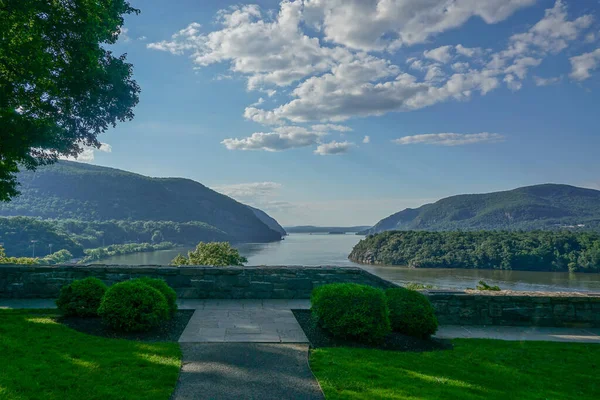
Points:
point(411, 313)
point(133, 306)
point(165, 289)
point(351, 311)
point(81, 298)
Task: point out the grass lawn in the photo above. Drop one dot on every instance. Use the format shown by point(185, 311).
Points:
point(475, 369)
point(41, 359)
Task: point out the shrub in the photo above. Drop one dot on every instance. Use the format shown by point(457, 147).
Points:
point(411, 313)
point(165, 289)
point(81, 298)
point(351, 311)
point(484, 286)
point(133, 306)
point(216, 254)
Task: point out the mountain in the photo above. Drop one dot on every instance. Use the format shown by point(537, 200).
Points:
point(71, 190)
point(324, 229)
point(268, 220)
point(548, 206)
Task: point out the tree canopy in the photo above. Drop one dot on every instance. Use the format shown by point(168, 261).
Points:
point(217, 254)
point(530, 251)
point(59, 85)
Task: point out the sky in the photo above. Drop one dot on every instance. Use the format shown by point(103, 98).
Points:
point(342, 112)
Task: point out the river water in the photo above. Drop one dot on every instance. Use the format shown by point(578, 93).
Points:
point(320, 249)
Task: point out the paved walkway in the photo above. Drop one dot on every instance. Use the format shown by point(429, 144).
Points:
point(265, 371)
point(518, 333)
point(249, 321)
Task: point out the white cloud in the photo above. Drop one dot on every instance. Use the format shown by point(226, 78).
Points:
point(388, 24)
point(468, 51)
point(450, 139)
point(124, 35)
point(590, 37)
point(142, 38)
point(333, 148)
point(440, 54)
point(249, 190)
point(539, 81)
point(367, 139)
point(331, 127)
point(282, 138)
point(582, 65)
point(460, 66)
point(87, 154)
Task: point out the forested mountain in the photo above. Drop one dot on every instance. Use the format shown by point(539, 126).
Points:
point(548, 206)
point(71, 190)
point(268, 220)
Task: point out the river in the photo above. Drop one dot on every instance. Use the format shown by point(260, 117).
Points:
point(320, 249)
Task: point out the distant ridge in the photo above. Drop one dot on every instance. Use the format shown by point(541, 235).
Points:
point(324, 229)
point(92, 193)
point(547, 206)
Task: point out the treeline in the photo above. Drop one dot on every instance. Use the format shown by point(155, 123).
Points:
point(20, 236)
point(92, 255)
point(517, 250)
point(61, 256)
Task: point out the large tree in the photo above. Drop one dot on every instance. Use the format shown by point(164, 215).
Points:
point(59, 85)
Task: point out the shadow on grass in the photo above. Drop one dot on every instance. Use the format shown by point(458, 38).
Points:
point(475, 369)
point(42, 359)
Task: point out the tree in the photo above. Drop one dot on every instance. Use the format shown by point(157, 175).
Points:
point(59, 87)
point(217, 254)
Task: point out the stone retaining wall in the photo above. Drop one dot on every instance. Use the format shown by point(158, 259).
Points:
point(516, 308)
point(17, 281)
point(295, 282)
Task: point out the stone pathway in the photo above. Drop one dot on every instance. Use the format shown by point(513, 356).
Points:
point(518, 333)
point(248, 321)
point(261, 371)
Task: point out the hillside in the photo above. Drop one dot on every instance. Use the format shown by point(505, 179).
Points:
point(548, 206)
point(71, 190)
point(268, 220)
point(517, 250)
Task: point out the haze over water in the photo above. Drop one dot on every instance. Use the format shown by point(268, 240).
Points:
point(319, 249)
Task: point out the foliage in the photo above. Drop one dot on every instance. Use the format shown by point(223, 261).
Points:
point(61, 256)
point(418, 286)
point(42, 359)
point(548, 207)
point(484, 286)
point(17, 234)
point(216, 254)
point(81, 298)
point(133, 306)
point(16, 260)
point(165, 289)
point(529, 251)
point(349, 310)
point(59, 85)
point(411, 313)
point(473, 370)
point(119, 249)
point(183, 211)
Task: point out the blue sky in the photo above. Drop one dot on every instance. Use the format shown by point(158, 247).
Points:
point(271, 102)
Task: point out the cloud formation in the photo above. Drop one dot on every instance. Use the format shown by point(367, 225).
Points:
point(333, 148)
point(450, 139)
point(332, 60)
point(581, 66)
point(87, 155)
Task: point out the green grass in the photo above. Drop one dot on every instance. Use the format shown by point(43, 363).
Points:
point(41, 359)
point(475, 369)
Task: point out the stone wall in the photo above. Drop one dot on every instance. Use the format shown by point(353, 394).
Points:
point(17, 281)
point(516, 308)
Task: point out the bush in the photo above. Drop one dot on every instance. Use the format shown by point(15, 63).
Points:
point(411, 313)
point(351, 311)
point(133, 306)
point(165, 289)
point(81, 298)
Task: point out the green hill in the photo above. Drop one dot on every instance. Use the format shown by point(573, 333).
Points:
point(71, 190)
point(548, 206)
